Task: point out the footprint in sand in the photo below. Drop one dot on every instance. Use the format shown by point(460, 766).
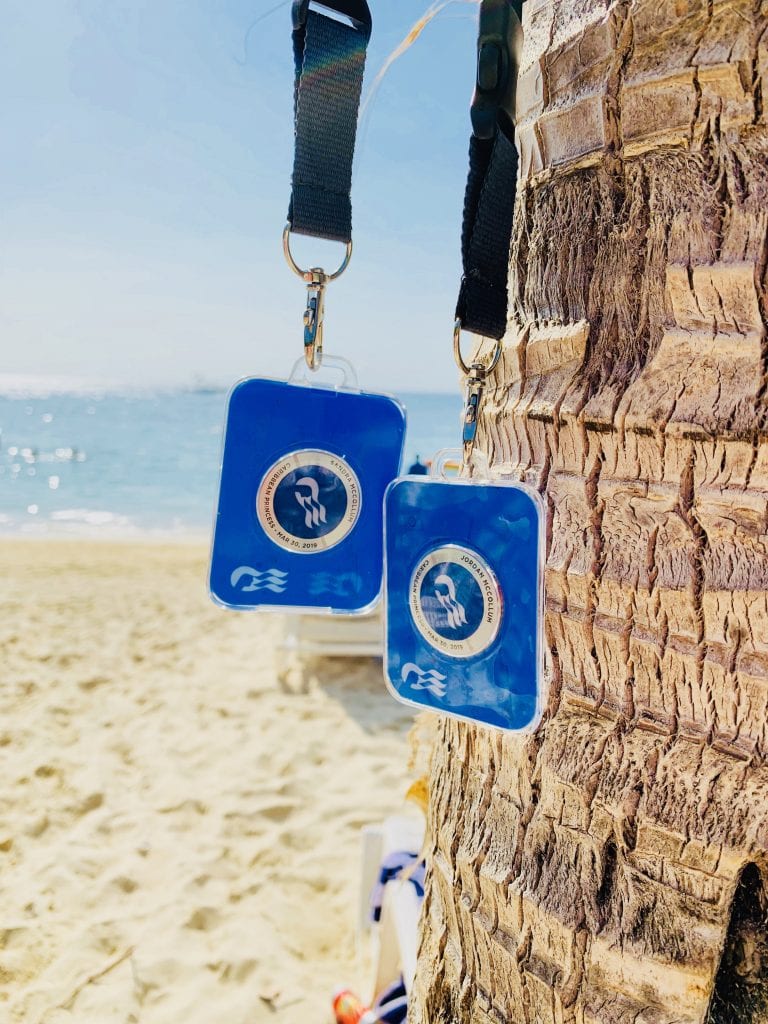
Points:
point(204, 919)
point(93, 682)
point(192, 806)
point(233, 971)
point(89, 803)
point(36, 826)
point(278, 812)
point(240, 823)
point(125, 884)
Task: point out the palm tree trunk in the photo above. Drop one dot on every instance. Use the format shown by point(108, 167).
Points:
point(613, 868)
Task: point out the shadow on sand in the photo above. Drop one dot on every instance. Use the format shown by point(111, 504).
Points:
point(355, 683)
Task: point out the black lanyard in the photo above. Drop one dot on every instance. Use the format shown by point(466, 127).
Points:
point(489, 200)
point(329, 55)
point(490, 193)
point(330, 60)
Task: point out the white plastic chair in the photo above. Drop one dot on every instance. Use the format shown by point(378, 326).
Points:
point(394, 939)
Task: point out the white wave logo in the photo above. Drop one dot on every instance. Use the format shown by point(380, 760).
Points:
point(427, 679)
point(314, 510)
point(457, 616)
point(247, 580)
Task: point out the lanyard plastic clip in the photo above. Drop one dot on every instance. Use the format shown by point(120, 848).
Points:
point(499, 42)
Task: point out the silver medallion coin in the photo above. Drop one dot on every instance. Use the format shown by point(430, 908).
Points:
point(455, 601)
point(308, 501)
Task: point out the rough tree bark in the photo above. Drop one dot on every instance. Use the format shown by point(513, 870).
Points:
point(613, 868)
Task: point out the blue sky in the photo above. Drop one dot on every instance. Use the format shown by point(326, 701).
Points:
point(145, 156)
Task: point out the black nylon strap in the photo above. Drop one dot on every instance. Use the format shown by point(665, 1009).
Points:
point(490, 194)
point(330, 61)
point(486, 233)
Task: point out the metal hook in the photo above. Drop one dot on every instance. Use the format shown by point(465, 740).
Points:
point(316, 281)
point(475, 375)
point(313, 319)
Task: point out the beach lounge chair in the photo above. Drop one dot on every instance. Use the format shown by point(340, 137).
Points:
point(334, 636)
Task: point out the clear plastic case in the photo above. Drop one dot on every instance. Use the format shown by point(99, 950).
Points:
point(464, 598)
point(303, 474)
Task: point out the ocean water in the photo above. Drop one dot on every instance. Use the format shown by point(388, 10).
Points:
point(78, 460)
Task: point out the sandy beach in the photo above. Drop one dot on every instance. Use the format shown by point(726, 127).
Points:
point(178, 825)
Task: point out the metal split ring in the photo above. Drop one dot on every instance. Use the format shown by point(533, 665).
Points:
point(468, 370)
point(307, 275)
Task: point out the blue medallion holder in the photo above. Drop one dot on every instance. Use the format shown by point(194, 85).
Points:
point(299, 518)
point(464, 595)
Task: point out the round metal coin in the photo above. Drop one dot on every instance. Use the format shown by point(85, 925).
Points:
point(455, 601)
point(308, 501)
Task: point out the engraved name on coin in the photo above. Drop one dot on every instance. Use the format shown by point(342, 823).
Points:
point(308, 501)
point(455, 601)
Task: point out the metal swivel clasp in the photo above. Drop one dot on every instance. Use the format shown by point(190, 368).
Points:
point(475, 378)
point(313, 317)
point(316, 281)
